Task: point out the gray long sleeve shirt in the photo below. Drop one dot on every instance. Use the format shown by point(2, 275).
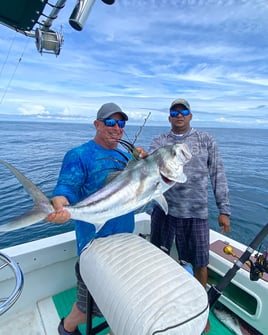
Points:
point(190, 200)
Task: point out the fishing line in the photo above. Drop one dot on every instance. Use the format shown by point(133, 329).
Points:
point(8, 52)
point(14, 72)
point(139, 130)
point(141, 127)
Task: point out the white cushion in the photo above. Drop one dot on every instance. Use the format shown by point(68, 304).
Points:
point(141, 290)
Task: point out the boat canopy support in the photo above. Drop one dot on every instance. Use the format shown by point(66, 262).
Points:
point(34, 18)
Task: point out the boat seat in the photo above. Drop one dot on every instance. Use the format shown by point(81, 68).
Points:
point(140, 289)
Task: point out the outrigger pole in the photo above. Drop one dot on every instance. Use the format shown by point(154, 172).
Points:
point(215, 291)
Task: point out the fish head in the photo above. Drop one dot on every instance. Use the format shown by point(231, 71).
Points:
point(171, 160)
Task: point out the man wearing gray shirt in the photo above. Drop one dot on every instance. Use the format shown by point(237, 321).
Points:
point(187, 217)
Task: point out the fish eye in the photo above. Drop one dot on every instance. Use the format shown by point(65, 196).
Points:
point(174, 152)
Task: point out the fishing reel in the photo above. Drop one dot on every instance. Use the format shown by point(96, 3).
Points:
point(257, 268)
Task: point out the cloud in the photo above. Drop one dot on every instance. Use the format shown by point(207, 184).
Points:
point(32, 110)
point(142, 55)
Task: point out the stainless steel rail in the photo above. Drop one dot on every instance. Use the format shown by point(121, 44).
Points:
point(7, 302)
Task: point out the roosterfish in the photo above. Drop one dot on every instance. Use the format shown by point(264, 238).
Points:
point(142, 181)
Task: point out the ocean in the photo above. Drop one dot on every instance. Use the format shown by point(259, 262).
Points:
point(37, 150)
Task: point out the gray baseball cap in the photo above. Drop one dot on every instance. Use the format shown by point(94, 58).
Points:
point(181, 102)
point(108, 109)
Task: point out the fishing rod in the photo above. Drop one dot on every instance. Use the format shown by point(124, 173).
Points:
point(141, 127)
point(129, 146)
point(256, 269)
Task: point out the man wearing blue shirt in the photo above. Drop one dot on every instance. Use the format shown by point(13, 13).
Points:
point(84, 171)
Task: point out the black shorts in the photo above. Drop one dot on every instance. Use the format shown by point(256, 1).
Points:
point(191, 236)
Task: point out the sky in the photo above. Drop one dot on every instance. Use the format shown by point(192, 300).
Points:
point(143, 54)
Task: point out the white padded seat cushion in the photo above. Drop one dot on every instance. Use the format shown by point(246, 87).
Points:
point(141, 290)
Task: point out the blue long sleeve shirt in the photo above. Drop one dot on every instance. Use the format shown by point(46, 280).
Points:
point(84, 171)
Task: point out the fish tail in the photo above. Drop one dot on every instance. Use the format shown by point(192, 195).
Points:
point(42, 206)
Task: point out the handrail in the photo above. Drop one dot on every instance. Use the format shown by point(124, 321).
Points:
point(8, 302)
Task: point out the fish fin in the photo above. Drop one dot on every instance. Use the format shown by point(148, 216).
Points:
point(36, 194)
point(24, 220)
point(131, 149)
point(42, 206)
point(123, 155)
point(161, 200)
point(114, 174)
point(181, 179)
point(75, 215)
point(111, 176)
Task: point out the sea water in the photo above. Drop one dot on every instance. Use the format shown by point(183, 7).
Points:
point(37, 150)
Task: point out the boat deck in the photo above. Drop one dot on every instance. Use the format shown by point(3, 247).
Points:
point(44, 319)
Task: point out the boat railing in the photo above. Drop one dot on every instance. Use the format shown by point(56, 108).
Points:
point(7, 302)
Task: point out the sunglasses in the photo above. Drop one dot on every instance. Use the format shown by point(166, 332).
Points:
point(113, 122)
point(175, 113)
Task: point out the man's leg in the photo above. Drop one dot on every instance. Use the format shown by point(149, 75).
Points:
point(78, 313)
point(75, 318)
point(201, 274)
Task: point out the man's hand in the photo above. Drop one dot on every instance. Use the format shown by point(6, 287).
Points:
point(142, 152)
point(61, 215)
point(224, 223)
